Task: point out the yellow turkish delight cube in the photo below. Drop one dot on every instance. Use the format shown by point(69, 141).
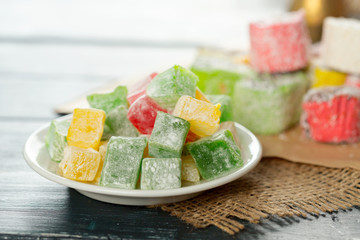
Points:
point(326, 77)
point(80, 164)
point(204, 117)
point(189, 171)
point(86, 128)
point(102, 151)
point(199, 95)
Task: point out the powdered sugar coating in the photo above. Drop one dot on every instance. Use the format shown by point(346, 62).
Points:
point(161, 173)
point(341, 44)
point(269, 104)
point(122, 162)
point(332, 114)
point(142, 114)
point(280, 45)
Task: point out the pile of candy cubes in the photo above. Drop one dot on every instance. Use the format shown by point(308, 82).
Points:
point(266, 87)
point(161, 132)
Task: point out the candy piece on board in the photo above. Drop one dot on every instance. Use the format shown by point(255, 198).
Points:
point(80, 164)
point(167, 87)
point(332, 114)
point(139, 89)
point(119, 124)
point(226, 107)
point(168, 136)
point(215, 155)
point(218, 70)
point(108, 101)
point(204, 117)
point(189, 171)
point(142, 114)
point(280, 44)
point(269, 104)
point(324, 77)
point(122, 164)
point(86, 128)
point(340, 44)
point(160, 173)
point(55, 140)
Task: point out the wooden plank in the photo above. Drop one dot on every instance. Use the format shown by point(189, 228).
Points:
point(34, 97)
point(33, 207)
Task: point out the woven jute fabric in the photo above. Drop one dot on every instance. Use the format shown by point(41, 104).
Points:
point(274, 187)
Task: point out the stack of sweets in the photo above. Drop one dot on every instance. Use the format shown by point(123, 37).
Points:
point(81, 157)
point(173, 115)
point(264, 91)
point(269, 101)
point(331, 111)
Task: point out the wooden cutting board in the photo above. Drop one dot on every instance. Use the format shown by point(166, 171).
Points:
point(294, 146)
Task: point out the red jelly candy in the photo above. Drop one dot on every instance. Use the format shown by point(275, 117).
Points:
point(142, 114)
point(334, 121)
point(280, 45)
point(139, 88)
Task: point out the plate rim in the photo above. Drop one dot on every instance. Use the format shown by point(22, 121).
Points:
point(138, 193)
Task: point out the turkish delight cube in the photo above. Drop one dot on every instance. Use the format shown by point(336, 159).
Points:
point(168, 136)
point(189, 171)
point(167, 87)
point(139, 89)
point(204, 117)
point(55, 140)
point(142, 114)
point(160, 173)
point(86, 128)
point(80, 164)
point(332, 114)
point(122, 162)
point(119, 124)
point(108, 101)
point(215, 155)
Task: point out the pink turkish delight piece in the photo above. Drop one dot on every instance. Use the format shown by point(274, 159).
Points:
point(139, 88)
point(332, 114)
point(280, 45)
point(142, 114)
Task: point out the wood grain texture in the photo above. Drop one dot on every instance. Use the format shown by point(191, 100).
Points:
point(35, 207)
point(53, 51)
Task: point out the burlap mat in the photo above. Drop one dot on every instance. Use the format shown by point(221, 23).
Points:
point(274, 187)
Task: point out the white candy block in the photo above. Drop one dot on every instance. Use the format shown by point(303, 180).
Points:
point(341, 44)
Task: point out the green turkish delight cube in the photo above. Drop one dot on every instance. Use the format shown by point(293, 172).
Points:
point(218, 70)
point(122, 162)
point(108, 101)
point(167, 87)
point(55, 140)
point(225, 109)
point(215, 155)
point(118, 124)
point(269, 104)
point(168, 136)
point(160, 173)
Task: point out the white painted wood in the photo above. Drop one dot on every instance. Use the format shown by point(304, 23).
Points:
point(221, 23)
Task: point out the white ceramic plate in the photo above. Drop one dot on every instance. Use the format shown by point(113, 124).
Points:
point(38, 159)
